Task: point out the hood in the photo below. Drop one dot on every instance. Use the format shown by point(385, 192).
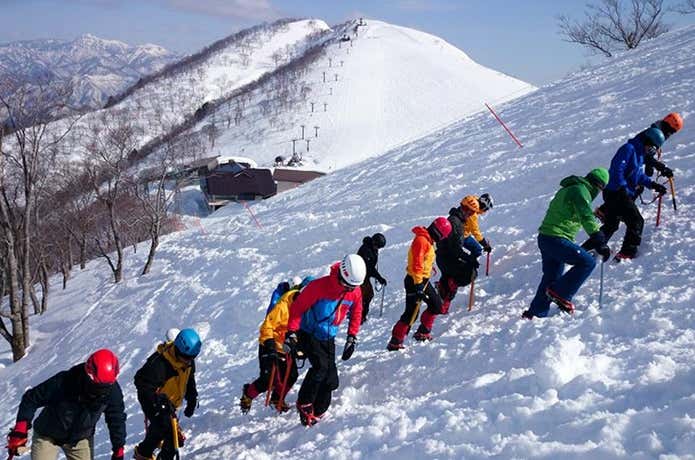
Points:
point(367, 240)
point(422, 231)
point(167, 350)
point(578, 180)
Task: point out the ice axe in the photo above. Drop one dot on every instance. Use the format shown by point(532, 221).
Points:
point(673, 193)
point(271, 382)
point(175, 431)
point(381, 309)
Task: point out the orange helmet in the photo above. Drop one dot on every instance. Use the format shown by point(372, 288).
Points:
point(674, 120)
point(470, 203)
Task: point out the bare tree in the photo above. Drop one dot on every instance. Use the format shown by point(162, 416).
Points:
point(611, 25)
point(29, 149)
point(686, 7)
point(155, 191)
point(111, 139)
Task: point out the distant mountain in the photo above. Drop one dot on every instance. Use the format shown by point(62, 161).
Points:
point(95, 68)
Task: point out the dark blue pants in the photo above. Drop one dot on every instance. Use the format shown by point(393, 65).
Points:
point(555, 253)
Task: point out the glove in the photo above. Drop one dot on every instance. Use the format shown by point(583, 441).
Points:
point(658, 188)
point(420, 291)
point(381, 280)
point(118, 454)
point(666, 172)
point(595, 241)
point(604, 251)
point(291, 342)
point(486, 245)
point(349, 349)
point(17, 437)
point(269, 350)
point(163, 407)
point(191, 404)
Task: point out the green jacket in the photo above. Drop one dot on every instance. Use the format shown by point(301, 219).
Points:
point(570, 209)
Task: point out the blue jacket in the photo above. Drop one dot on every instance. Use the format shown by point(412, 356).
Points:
point(323, 305)
point(627, 168)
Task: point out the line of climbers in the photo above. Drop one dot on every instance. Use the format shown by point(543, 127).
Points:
point(304, 316)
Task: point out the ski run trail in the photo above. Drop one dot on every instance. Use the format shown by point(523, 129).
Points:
point(610, 383)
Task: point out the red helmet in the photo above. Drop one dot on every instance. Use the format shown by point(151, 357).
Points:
point(674, 120)
point(439, 228)
point(102, 367)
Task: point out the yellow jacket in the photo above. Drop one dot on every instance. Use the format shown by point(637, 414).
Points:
point(175, 387)
point(275, 324)
point(470, 227)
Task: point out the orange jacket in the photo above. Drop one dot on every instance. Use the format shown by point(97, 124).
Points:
point(420, 255)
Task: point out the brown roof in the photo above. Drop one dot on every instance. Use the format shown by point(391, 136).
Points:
point(247, 182)
point(295, 175)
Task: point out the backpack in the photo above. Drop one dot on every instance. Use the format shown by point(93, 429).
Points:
point(279, 291)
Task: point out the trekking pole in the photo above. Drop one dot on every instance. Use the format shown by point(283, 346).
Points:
point(471, 295)
point(283, 387)
point(271, 382)
point(381, 309)
point(175, 431)
point(600, 288)
point(673, 193)
point(487, 265)
point(20, 451)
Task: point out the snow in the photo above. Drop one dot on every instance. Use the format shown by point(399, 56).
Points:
point(610, 383)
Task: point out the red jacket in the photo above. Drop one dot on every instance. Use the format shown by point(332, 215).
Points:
point(321, 307)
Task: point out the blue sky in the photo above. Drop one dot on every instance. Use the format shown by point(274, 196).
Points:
point(516, 37)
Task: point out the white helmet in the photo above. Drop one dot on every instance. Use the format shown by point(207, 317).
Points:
point(171, 334)
point(353, 270)
point(296, 281)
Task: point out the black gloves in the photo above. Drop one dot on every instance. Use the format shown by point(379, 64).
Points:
point(381, 280)
point(349, 349)
point(666, 172)
point(597, 242)
point(191, 404)
point(486, 245)
point(420, 291)
point(658, 188)
point(291, 342)
point(163, 407)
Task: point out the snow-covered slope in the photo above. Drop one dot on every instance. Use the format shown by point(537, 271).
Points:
point(159, 102)
point(607, 384)
point(95, 68)
point(385, 86)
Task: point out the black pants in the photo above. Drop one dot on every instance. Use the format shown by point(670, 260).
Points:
point(412, 303)
point(367, 296)
point(455, 274)
point(266, 365)
point(158, 430)
point(322, 378)
point(619, 207)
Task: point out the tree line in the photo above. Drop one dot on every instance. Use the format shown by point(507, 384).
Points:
point(58, 211)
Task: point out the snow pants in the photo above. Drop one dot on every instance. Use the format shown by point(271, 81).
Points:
point(158, 430)
point(43, 448)
point(367, 296)
point(555, 253)
point(455, 274)
point(619, 207)
point(322, 377)
point(412, 309)
point(265, 363)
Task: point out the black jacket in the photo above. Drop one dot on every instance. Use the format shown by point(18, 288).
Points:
point(450, 251)
point(152, 376)
point(69, 415)
point(370, 254)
